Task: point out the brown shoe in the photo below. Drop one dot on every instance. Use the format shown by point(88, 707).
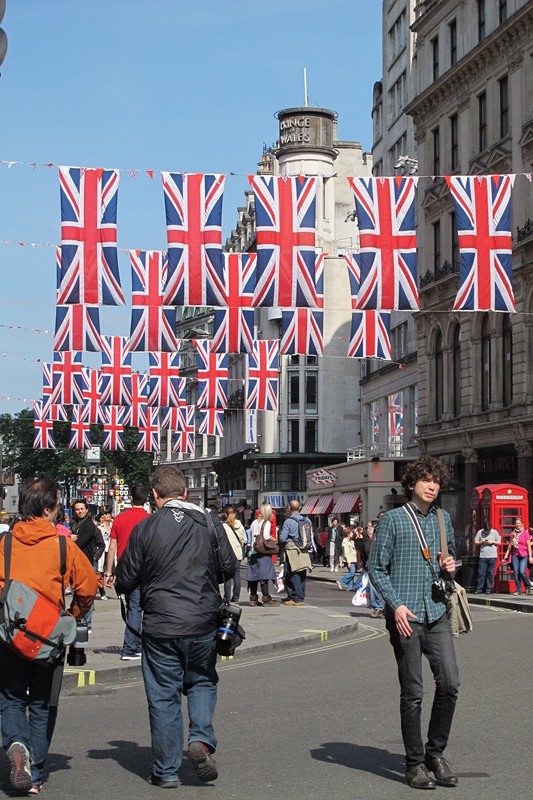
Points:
point(254, 600)
point(267, 600)
point(289, 603)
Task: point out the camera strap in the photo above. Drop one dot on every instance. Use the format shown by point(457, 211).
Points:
point(411, 513)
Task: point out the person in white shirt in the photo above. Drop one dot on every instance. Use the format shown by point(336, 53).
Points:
point(486, 543)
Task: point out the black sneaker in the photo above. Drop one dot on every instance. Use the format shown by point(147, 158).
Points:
point(19, 758)
point(203, 762)
point(153, 780)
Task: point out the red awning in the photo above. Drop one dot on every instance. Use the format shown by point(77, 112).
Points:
point(347, 503)
point(323, 505)
point(309, 504)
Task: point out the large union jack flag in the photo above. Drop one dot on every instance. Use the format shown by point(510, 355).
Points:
point(212, 376)
point(211, 421)
point(387, 227)
point(113, 419)
point(166, 386)
point(116, 372)
point(185, 437)
point(483, 214)
point(262, 376)
point(77, 328)
point(370, 335)
point(286, 219)
point(67, 377)
point(233, 289)
point(152, 325)
point(193, 206)
point(302, 328)
point(139, 398)
point(91, 380)
point(43, 427)
point(89, 263)
point(80, 429)
point(148, 441)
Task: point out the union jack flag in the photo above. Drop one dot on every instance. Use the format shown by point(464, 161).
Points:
point(67, 374)
point(91, 380)
point(212, 376)
point(211, 421)
point(47, 382)
point(172, 418)
point(262, 376)
point(54, 412)
point(286, 219)
point(77, 328)
point(152, 325)
point(233, 288)
point(148, 430)
point(193, 206)
point(139, 398)
point(80, 429)
point(89, 271)
point(113, 419)
point(185, 437)
point(395, 413)
point(250, 425)
point(483, 214)
point(370, 335)
point(44, 428)
point(302, 328)
point(116, 372)
point(353, 261)
point(387, 226)
point(166, 386)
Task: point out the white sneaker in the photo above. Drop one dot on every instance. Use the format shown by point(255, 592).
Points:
point(336, 569)
point(20, 761)
point(332, 570)
point(136, 657)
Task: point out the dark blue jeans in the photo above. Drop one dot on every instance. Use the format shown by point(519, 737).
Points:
point(26, 713)
point(172, 667)
point(295, 583)
point(232, 587)
point(485, 570)
point(520, 572)
point(132, 643)
point(433, 640)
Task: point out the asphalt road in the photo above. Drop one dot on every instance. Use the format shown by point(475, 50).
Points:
point(313, 723)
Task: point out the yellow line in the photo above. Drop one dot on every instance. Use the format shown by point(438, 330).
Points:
point(339, 616)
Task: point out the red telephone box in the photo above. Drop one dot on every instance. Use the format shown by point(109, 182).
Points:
point(501, 504)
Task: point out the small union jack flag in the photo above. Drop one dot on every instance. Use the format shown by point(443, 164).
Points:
point(370, 336)
point(67, 374)
point(44, 428)
point(233, 289)
point(116, 372)
point(353, 261)
point(483, 214)
point(47, 382)
point(89, 271)
point(172, 418)
point(148, 430)
point(212, 376)
point(152, 325)
point(77, 328)
point(250, 426)
point(54, 413)
point(193, 206)
point(166, 386)
point(211, 421)
point(395, 414)
point(387, 227)
point(302, 328)
point(185, 437)
point(80, 429)
point(286, 220)
point(113, 419)
point(139, 398)
point(91, 380)
point(262, 376)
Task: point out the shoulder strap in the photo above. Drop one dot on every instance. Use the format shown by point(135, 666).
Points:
point(6, 536)
point(262, 526)
point(62, 564)
point(443, 537)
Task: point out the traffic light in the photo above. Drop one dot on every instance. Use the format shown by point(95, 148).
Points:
point(3, 35)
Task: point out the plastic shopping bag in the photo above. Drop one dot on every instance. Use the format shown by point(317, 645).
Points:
point(362, 591)
point(280, 583)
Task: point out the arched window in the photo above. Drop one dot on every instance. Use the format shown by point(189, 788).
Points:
point(507, 360)
point(456, 366)
point(485, 362)
point(439, 376)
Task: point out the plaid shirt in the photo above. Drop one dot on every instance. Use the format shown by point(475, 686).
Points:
point(397, 567)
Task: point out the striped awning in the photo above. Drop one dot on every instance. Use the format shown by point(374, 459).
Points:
point(348, 502)
point(309, 504)
point(324, 504)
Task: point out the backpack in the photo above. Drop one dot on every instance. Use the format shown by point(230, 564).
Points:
point(31, 626)
point(305, 534)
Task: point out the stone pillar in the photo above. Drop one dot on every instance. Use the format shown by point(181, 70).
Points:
point(471, 480)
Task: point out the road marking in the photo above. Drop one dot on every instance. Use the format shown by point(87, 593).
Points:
point(340, 616)
point(323, 634)
point(91, 675)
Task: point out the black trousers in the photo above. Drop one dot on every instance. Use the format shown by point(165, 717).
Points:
point(433, 640)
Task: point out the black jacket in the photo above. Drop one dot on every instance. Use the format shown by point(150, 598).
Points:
point(90, 539)
point(171, 558)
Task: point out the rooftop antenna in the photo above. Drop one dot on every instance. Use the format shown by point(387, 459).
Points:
point(306, 96)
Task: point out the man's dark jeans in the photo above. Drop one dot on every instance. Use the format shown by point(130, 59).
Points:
point(132, 643)
point(435, 641)
point(295, 583)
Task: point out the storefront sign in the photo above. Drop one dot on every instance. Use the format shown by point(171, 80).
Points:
point(282, 499)
point(323, 477)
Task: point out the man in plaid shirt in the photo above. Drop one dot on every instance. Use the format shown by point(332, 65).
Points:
point(416, 618)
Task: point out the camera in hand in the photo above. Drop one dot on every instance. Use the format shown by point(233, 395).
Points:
point(229, 632)
point(76, 653)
point(438, 589)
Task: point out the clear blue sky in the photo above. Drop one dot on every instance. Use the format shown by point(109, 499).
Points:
point(163, 85)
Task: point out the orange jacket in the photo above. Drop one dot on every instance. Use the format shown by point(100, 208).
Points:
point(35, 561)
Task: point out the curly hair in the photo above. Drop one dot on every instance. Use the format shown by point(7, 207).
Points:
point(424, 468)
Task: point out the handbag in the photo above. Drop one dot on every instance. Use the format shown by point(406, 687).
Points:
point(265, 547)
point(457, 606)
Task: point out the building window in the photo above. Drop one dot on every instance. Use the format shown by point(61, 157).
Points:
point(502, 11)
point(294, 361)
point(435, 57)
point(436, 151)
point(481, 20)
point(454, 141)
point(482, 120)
point(456, 365)
point(294, 436)
point(436, 246)
point(294, 391)
point(456, 253)
point(397, 96)
point(198, 444)
point(374, 425)
point(504, 106)
point(311, 393)
point(311, 435)
point(452, 27)
point(485, 362)
point(398, 34)
point(395, 414)
point(398, 149)
point(439, 376)
point(507, 358)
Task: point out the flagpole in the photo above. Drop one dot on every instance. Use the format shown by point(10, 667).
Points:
point(306, 96)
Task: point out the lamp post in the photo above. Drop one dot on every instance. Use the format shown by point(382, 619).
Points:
point(206, 490)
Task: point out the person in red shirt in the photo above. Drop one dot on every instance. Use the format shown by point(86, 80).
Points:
point(121, 530)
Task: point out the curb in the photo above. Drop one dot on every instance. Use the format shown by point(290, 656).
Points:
point(512, 605)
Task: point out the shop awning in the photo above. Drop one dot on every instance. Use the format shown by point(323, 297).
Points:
point(323, 505)
point(309, 504)
point(348, 502)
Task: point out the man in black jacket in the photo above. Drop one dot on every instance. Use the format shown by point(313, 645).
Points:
point(171, 557)
point(89, 539)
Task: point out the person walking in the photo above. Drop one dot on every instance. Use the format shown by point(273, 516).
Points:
point(334, 545)
point(29, 694)
point(171, 557)
point(520, 554)
point(350, 556)
point(234, 530)
point(486, 543)
point(90, 541)
point(403, 564)
point(104, 526)
point(297, 562)
point(261, 567)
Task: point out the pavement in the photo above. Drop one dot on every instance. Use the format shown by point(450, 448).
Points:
point(268, 629)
